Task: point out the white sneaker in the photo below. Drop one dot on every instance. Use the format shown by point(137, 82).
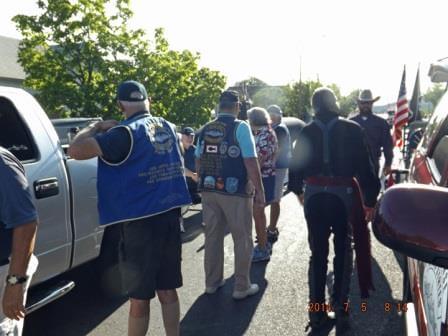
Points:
point(252, 290)
point(212, 290)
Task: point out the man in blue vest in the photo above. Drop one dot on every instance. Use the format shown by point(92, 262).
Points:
point(141, 184)
point(229, 175)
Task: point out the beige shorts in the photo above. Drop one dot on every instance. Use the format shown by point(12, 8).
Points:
point(280, 176)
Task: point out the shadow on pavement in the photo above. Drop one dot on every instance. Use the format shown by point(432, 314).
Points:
point(77, 313)
point(379, 313)
point(85, 307)
point(218, 314)
point(193, 226)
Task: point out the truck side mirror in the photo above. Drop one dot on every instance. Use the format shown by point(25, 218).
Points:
point(413, 219)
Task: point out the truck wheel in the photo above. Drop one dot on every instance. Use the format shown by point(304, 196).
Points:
point(110, 278)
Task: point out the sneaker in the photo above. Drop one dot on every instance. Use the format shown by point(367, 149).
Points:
point(272, 235)
point(261, 254)
point(252, 290)
point(212, 290)
point(321, 326)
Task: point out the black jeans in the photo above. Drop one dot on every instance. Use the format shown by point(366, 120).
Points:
point(325, 214)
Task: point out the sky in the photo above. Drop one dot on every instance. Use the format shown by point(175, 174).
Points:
point(356, 44)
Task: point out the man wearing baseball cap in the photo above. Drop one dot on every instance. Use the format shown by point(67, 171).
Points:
point(228, 174)
point(141, 185)
point(187, 139)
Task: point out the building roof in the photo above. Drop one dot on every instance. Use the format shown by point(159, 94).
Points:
point(9, 65)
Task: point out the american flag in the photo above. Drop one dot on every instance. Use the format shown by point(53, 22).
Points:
point(401, 116)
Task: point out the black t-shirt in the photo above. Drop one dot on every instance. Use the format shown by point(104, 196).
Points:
point(189, 158)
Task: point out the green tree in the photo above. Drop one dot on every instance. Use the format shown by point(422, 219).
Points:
point(434, 93)
point(348, 103)
point(75, 53)
point(270, 95)
point(251, 81)
point(298, 99)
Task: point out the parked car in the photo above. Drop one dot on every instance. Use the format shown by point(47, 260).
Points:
point(64, 191)
point(67, 128)
point(413, 219)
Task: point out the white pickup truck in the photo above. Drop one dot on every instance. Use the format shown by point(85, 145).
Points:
point(64, 191)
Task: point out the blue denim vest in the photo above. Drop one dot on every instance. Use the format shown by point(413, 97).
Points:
point(149, 181)
point(222, 168)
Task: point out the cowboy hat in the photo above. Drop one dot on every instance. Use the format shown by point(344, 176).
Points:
point(365, 96)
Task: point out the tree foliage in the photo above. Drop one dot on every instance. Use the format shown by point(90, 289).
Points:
point(270, 95)
point(298, 99)
point(348, 104)
point(434, 94)
point(76, 52)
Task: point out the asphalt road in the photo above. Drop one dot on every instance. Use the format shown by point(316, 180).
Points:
point(280, 308)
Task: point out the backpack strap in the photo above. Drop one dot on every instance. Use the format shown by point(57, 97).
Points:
point(326, 128)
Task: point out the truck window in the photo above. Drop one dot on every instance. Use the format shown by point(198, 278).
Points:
point(14, 134)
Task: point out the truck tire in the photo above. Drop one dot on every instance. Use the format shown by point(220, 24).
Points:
point(108, 263)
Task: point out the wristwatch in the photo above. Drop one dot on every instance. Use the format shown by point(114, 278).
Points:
point(16, 280)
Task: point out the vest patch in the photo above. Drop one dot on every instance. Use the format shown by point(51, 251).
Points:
point(209, 182)
point(160, 138)
point(234, 151)
point(215, 132)
point(211, 149)
point(231, 185)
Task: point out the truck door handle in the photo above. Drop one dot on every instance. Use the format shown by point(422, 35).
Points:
point(46, 188)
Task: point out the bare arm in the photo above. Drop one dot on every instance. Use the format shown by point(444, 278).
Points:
point(84, 146)
point(191, 174)
point(22, 247)
point(253, 172)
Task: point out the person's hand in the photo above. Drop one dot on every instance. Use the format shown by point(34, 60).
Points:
point(194, 177)
point(369, 212)
point(387, 170)
point(301, 199)
point(103, 126)
point(13, 307)
point(260, 201)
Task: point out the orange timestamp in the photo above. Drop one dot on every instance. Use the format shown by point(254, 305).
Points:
point(363, 307)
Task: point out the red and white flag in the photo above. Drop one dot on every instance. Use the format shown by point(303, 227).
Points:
point(401, 116)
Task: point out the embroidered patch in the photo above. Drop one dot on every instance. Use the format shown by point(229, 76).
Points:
point(209, 182)
point(223, 148)
point(219, 183)
point(211, 149)
point(161, 138)
point(215, 132)
point(234, 151)
point(231, 185)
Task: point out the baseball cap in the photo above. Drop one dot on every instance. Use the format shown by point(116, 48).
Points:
point(131, 91)
point(229, 96)
point(187, 131)
point(275, 109)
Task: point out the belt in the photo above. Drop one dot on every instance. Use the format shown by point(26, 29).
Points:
point(333, 181)
point(4, 262)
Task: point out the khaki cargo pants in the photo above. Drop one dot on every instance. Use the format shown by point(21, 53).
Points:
point(222, 212)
